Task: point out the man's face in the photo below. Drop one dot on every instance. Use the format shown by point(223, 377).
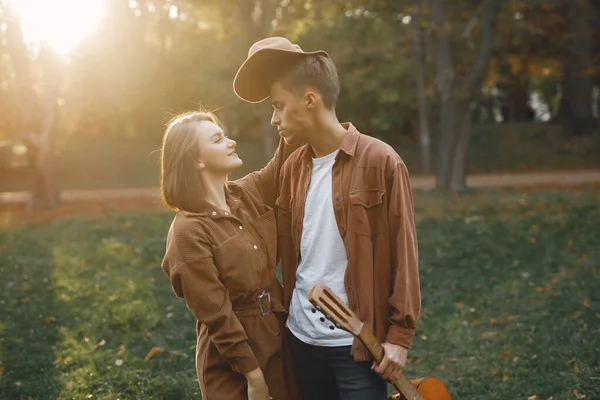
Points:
point(290, 114)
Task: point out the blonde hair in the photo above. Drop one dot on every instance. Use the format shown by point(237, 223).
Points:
point(180, 185)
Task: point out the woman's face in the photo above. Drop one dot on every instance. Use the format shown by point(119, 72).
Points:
point(217, 151)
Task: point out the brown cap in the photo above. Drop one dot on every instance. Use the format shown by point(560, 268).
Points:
point(266, 59)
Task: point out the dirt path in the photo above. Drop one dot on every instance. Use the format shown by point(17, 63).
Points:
point(553, 179)
point(95, 203)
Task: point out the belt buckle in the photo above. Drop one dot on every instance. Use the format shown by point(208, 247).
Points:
point(261, 296)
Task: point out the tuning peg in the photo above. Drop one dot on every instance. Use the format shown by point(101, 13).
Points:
point(331, 327)
point(322, 319)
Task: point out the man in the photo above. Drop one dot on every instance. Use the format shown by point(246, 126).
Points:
point(345, 218)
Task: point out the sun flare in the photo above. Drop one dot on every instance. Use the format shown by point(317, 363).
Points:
point(61, 23)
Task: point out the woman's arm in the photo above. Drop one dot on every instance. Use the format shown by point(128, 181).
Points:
point(265, 183)
point(206, 297)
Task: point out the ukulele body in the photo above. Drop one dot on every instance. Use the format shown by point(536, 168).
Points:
point(429, 388)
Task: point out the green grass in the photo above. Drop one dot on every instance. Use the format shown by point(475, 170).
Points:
point(509, 285)
point(104, 162)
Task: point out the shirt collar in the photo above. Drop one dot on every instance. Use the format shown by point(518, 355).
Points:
point(206, 209)
point(348, 145)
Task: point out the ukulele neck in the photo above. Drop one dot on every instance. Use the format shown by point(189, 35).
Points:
point(402, 384)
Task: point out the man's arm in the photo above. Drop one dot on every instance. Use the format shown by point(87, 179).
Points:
point(405, 299)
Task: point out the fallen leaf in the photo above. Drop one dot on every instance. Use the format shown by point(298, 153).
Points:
point(488, 335)
point(64, 297)
point(1, 371)
point(423, 337)
point(25, 300)
point(169, 307)
point(503, 319)
point(153, 351)
point(460, 305)
point(70, 385)
point(57, 361)
point(534, 228)
point(100, 343)
point(532, 240)
point(586, 303)
point(578, 395)
point(48, 320)
point(506, 356)
point(515, 359)
point(118, 362)
point(574, 365)
point(475, 323)
point(504, 377)
point(121, 350)
point(534, 397)
point(18, 384)
point(68, 360)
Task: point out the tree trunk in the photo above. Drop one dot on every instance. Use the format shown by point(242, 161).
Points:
point(35, 131)
point(20, 62)
point(456, 94)
point(424, 135)
point(579, 69)
point(458, 179)
point(45, 193)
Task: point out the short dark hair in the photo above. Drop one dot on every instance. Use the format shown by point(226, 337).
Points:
point(316, 71)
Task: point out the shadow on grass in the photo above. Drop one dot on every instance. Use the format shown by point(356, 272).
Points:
point(28, 333)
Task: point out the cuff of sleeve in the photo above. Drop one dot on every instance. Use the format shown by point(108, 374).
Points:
point(244, 361)
point(400, 336)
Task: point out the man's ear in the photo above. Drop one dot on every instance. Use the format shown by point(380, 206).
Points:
point(311, 99)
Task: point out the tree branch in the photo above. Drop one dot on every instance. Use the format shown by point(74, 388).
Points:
point(477, 73)
point(443, 54)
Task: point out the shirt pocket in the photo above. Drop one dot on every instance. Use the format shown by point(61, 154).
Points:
point(367, 212)
point(283, 206)
point(235, 260)
point(266, 228)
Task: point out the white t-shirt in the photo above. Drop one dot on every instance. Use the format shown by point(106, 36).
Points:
point(322, 260)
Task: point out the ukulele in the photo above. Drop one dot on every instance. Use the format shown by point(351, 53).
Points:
point(324, 300)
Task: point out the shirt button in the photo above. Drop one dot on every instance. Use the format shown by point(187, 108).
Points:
point(337, 171)
point(214, 213)
point(241, 228)
point(255, 246)
point(343, 228)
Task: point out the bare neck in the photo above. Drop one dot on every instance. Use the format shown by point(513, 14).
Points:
point(327, 135)
point(214, 190)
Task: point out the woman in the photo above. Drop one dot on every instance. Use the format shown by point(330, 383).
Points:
point(221, 258)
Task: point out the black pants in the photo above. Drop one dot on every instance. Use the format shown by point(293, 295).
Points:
point(330, 373)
